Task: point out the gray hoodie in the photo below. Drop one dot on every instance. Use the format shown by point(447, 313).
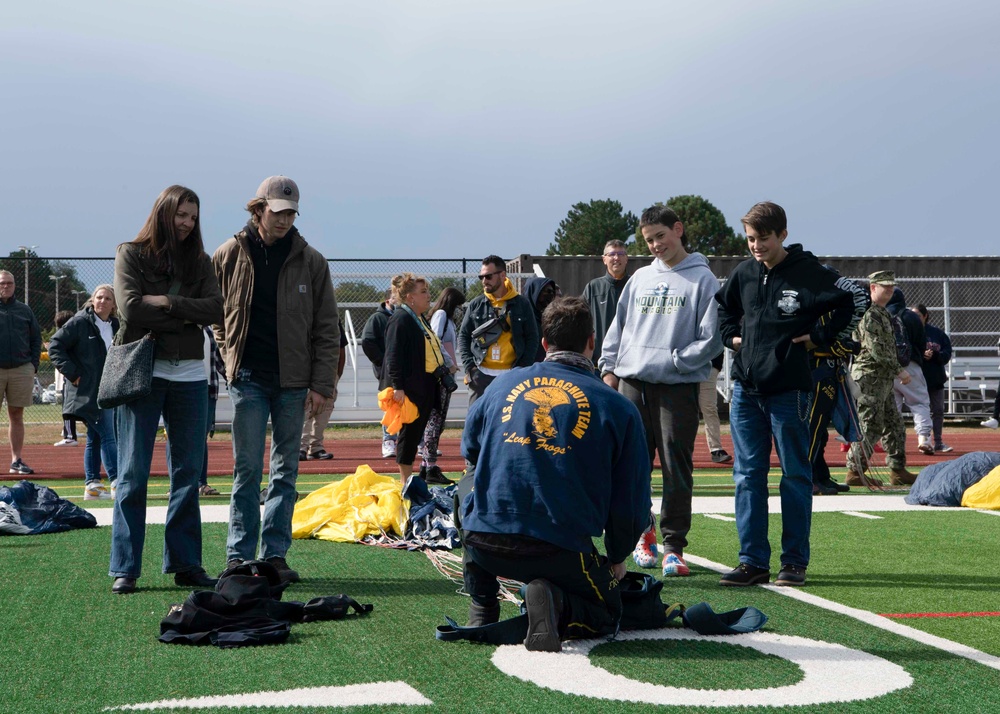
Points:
point(666, 328)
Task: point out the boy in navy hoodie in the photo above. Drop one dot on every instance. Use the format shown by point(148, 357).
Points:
point(657, 352)
point(772, 309)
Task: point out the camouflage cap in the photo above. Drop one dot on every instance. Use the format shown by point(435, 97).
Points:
point(882, 277)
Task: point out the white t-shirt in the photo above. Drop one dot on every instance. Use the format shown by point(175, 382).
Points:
point(180, 370)
point(104, 327)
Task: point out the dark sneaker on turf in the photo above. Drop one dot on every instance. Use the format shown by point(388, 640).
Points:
point(942, 449)
point(287, 574)
point(720, 456)
point(321, 455)
point(746, 574)
point(791, 576)
point(434, 475)
point(19, 467)
point(822, 488)
point(544, 605)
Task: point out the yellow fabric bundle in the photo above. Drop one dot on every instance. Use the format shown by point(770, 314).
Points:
point(396, 414)
point(363, 504)
point(985, 493)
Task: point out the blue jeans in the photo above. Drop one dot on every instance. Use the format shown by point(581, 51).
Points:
point(101, 446)
point(253, 403)
point(754, 420)
point(182, 405)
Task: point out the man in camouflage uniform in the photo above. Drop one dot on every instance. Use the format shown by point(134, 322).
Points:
point(874, 369)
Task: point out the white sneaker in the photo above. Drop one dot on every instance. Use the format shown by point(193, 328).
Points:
point(990, 423)
point(388, 449)
point(66, 442)
point(925, 447)
point(96, 491)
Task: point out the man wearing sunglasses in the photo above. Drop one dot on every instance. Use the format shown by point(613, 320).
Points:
point(498, 332)
point(602, 293)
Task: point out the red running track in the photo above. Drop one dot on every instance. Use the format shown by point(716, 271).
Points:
point(50, 462)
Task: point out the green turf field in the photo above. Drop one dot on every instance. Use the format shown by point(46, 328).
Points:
point(68, 645)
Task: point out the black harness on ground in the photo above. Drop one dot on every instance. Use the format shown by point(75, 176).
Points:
point(245, 609)
point(642, 609)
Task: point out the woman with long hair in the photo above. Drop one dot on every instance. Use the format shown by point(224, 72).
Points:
point(443, 324)
point(78, 350)
point(412, 356)
point(166, 286)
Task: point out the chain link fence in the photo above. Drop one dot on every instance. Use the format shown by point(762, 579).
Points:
point(966, 308)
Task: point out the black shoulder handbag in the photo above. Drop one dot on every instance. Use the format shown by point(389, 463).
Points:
point(128, 369)
point(128, 373)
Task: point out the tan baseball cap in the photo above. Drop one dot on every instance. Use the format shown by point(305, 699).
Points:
point(280, 192)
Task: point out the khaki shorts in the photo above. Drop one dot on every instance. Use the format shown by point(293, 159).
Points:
point(16, 385)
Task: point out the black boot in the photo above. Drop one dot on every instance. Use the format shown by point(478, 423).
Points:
point(479, 615)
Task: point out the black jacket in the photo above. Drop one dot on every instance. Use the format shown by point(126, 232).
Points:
point(373, 338)
point(78, 351)
point(933, 368)
point(20, 336)
point(602, 296)
point(404, 366)
point(767, 308)
point(532, 290)
point(912, 323)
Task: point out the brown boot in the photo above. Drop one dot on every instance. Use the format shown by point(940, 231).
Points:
point(854, 478)
point(860, 479)
point(902, 477)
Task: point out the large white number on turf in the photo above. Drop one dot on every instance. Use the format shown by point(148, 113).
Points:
point(859, 675)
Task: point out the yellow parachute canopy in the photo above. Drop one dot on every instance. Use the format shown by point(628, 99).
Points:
point(364, 503)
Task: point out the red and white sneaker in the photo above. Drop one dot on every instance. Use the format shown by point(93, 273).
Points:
point(674, 566)
point(645, 554)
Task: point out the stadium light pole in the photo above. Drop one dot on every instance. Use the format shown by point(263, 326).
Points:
point(26, 248)
point(57, 278)
point(78, 293)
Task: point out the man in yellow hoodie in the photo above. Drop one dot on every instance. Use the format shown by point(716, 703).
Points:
point(498, 332)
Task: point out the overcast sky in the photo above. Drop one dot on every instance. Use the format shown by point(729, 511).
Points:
point(457, 129)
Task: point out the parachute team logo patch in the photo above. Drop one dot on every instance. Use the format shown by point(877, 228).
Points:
point(544, 396)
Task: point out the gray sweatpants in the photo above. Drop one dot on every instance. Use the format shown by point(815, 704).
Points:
point(915, 396)
point(670, 417)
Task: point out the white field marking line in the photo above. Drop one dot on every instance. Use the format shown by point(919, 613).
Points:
point(351, 695)
point(988, 512)
point(720, 517)
point(869, 618)
point(856, 514)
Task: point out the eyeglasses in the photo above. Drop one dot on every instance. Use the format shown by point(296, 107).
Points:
point(616, 254)
point(483, 276)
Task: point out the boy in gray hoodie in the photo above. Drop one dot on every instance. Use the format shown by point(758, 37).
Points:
point(657, 351)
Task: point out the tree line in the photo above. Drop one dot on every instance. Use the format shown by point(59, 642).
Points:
point(588, 226)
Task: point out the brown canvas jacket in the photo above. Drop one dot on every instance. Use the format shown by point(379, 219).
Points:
point(308, 334)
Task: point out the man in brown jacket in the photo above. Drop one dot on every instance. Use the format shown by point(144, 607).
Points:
point(279, 339)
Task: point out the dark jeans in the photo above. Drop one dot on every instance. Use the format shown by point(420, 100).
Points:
point(937, 413)
point(754, 420)
point(670, 417)
point(592, 602)
point(182, 405)
point(101, 447)
point(253, 404)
